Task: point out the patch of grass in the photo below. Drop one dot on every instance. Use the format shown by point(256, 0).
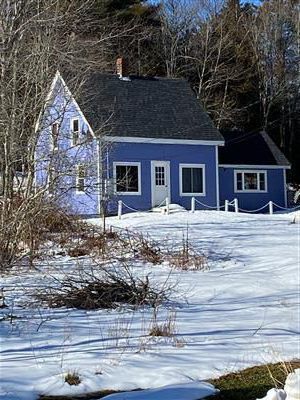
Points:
point(161, 330)
point(72, 378)
point(253, 383)
point(166, 329)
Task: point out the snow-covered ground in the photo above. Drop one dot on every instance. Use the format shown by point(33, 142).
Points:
point(243, 311)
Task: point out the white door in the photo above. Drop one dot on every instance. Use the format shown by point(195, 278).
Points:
point(160, 181)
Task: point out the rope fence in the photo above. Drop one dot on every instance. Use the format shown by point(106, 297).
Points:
point(205, 205)
point(121, 204)
point(257, 209)
point(228, 204)
point(289, 208)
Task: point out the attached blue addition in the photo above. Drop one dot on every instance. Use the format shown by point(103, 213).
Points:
point(251, 200)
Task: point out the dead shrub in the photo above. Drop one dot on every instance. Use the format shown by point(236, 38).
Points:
point(187, 260)
point(85, 239)
point(111, 234)
point(45, 224)
point(165, 329)
point(143, 248)
point(12, 220)
point(57, 220)
point(160, 330)
point(78, 251)
point(149, 253)
point(72, 378)
point(90, 242)
point(109, 290)
point(97, 244)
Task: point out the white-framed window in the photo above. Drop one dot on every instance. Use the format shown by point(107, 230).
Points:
point(80, 178)
point(192, 179)
point(250, 181)
point(127, 178)
point(75, 130)
point(54, 135)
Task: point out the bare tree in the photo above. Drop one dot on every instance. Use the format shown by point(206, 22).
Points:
point(36, 39)
point(275, 38)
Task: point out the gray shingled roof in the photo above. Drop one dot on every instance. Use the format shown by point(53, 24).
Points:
point(250, 149)
point(145, 107)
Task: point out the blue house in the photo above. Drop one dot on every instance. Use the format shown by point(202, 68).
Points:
point(253, 170)
point(142, 140)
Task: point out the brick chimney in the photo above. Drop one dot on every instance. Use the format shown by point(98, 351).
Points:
point(121, 67)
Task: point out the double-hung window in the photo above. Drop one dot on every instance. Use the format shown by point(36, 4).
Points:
point(80, 178)
point(75, 131)
point(192, 179)
point(127, 177)
point(250, 181)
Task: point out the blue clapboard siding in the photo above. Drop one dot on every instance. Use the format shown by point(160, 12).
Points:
point(65, 160)
point(176, 154)
point(251, 201)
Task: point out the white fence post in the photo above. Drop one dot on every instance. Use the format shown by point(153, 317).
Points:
point(120, 209)
point(167, 205)
point(236, 205)
point(226, 205)
point(193, 204)
point(271, 207)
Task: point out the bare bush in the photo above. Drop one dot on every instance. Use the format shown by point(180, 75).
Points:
point(141, 247)
point(72, 378)
point(149, 251)
point(165, 329)
point(41, 221)
point(89, 240)
point(78, 251)
point(187, 258)
point(109, 289)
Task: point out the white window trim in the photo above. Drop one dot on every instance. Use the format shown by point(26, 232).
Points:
point(251, 171)
point(181, 166)
point(71, 130)
point(127, 163)
point(77, 179)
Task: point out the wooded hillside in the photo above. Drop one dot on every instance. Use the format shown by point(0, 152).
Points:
point(242, 60)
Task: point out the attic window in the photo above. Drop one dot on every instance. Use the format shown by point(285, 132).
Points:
point(75, 131)
point(250, 181)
